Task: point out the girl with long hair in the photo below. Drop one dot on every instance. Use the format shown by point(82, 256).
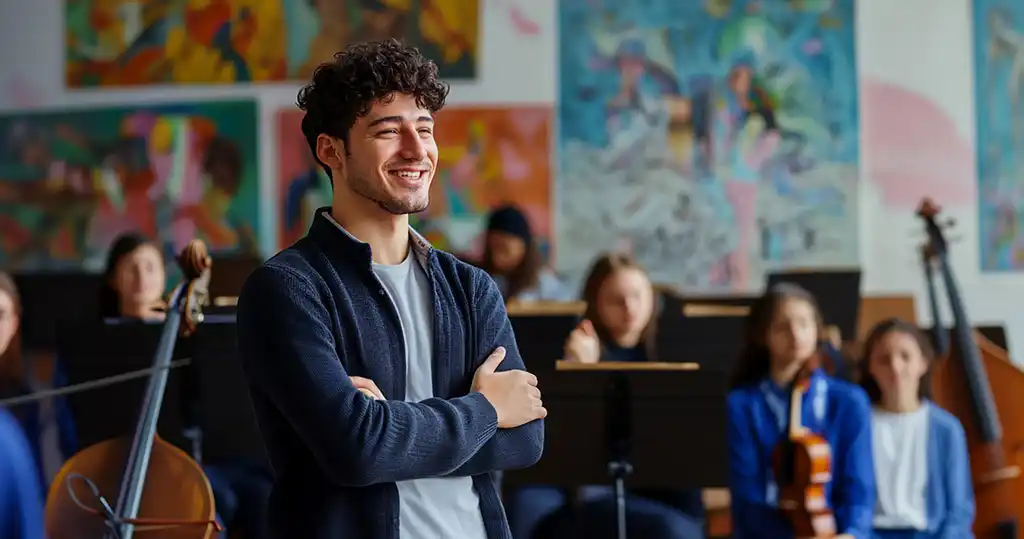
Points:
point(922, 467)
point(621, 314)
point(782, 335)
point(134, 280)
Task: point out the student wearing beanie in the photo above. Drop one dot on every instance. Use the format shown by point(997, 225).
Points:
point(513, 260)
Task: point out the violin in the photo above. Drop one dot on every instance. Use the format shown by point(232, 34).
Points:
point(802, 463)
point(154, 485)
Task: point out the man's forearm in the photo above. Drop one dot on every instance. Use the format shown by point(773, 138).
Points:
point(509, 449)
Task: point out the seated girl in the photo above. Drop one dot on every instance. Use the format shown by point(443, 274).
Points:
point(47, 423)
point(618, 326)
point(782, 336)
point(513, 260)
point(922, 470)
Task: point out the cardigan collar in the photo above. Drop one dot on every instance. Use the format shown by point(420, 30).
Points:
point(324, 231)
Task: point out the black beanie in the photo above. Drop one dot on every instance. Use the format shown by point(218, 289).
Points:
point(510, 220)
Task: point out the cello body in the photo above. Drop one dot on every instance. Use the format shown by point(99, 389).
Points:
point(139, 483)
point(976, 382)
point(998, 483)
point(176, 490)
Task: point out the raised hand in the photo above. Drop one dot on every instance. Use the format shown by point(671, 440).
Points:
point(583, 345)
point(514, 394)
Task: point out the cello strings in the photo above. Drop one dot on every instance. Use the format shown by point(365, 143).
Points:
point(90, 385)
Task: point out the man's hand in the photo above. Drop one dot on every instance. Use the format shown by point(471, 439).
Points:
point(514, 394)
point(367, 387)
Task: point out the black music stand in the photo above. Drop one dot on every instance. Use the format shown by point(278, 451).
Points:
point(713, 342)
point(229, 420)
point(99, 350)
point(642, 414)
point(207, 410)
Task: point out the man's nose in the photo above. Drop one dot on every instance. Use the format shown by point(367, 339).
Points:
point(412, 146)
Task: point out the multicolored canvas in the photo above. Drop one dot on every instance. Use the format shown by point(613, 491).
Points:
point(143, 42)
point(71, 181)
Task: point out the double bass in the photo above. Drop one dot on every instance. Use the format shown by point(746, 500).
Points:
point(975, 381)
point(154, 485)
point(802, 464)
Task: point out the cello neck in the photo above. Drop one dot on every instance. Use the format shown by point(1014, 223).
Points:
point(133, 480)
point(982, 402)
point(941, 336)
point(185, 301)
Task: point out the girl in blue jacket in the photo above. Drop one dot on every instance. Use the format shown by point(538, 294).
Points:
point(783, 332)
point(922, 470)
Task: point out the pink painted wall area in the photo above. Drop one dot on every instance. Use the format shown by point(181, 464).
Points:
point(911, 149)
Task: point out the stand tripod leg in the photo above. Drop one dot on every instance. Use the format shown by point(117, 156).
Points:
point(620, 507)
point(619, 470)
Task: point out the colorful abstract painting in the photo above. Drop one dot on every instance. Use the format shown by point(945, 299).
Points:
point(999, 80)
point(715, 140)
point(486, 157)
point(71, 181)
point(141, 42)
point(302, 185)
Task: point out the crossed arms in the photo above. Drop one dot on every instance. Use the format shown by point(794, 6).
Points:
point(288, 352)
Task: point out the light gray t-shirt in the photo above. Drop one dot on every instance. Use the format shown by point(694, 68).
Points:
point(433, 508)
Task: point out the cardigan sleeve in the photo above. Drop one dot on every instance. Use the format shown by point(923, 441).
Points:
point(854, 488)
point(750, 513)
point(960, 503)
point(517, 447)
point(288, 351)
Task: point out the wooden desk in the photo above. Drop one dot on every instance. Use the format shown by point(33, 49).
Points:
point(605, 366)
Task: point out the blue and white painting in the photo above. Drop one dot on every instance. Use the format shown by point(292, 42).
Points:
point(999, 80)
point(715, 140)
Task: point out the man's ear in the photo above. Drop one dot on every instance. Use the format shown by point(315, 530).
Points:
point(329, 151)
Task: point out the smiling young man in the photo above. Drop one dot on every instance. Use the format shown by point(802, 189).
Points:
point(384, 373)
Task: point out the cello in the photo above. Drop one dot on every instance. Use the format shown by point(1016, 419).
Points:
point(802, 463)
point(975, 381)
point(157, 486)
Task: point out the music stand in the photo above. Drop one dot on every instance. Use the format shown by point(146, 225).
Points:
point(627, 407)
point(541, 337)
point(713, 341)
point(229, 420)
point(99, 350)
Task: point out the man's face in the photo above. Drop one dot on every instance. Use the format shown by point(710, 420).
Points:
point(391, 156)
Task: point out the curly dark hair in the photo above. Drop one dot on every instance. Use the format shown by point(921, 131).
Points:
point(364, 73)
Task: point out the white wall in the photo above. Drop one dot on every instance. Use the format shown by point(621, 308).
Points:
point(917, 110)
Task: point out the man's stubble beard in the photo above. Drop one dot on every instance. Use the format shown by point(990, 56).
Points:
point(376, 194)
